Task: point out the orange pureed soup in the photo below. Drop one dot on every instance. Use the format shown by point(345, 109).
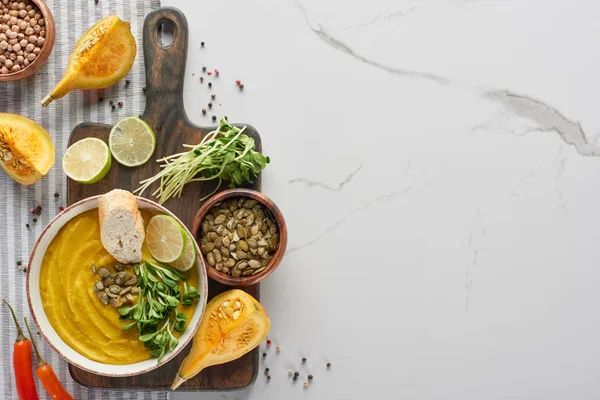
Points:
point(72, 307)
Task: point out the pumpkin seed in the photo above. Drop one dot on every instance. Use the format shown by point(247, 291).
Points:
point(129, 297)
point(103, 272)
point(109, 293)
point(103, 298)
point(238, 235)
point(118, 267)
point(207, 248)
point(258, 271)
point(114, 289)
point(98, 286)
point(113, 302)
point(211, 259)
point(126, 290)
point(93, 268)
point(134, 290)
point(109, 281)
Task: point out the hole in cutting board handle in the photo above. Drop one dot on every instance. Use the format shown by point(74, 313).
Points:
point(165, 33)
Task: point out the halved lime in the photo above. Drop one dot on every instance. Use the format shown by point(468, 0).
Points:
point(165, 238)
point(87, 161)
point(188, 258)
point(131, 141)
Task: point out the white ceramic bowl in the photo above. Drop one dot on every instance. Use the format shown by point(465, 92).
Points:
point(46, 329)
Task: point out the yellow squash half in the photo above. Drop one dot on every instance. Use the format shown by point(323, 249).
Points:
point(101, 58)
point(233, 324)
point(26, 149)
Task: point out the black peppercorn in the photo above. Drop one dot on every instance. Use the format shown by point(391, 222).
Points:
point(202, 44)
point(209, 104)
point(120, 104)
point(266, 371)
point(144, 89)
point(214, 118)
point(110, 102)
point(35, 220)
point(39, 209)
point(209, 84)
point(27, 226)
point(241, 86)
point(100, 99)
point(303, 360)
point(203, 68)
point(328, 365)
point(295, 378)
point(56, 195)
point(127, 82)
point(25, 269)
point(96, 1)
point(19, 263)
point(268, 377)
point(296, 373)
point(204, 111)
point(212, 96)
point(113, 107)
point(310, 377)
point(264, 355)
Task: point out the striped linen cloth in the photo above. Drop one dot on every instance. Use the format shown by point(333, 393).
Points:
point(73, 17)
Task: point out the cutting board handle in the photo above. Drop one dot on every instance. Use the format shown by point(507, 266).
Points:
point(165, 66)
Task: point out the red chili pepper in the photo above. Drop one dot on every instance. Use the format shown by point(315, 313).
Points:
point(216, 72)
point(209, 73)
point(46, 374)
point(22, 363)
point(238, 82)
point(269, 342)
point(61, 208)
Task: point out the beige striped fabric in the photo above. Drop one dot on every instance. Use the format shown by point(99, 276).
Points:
point(73, 17)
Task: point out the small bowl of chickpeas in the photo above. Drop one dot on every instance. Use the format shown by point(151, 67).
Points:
point(27, 33)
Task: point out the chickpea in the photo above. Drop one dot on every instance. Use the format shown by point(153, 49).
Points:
point(4, 71)
point(31, 57)
point(15, 68)
point(9, 64)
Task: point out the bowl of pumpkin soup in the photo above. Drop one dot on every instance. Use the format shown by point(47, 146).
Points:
point(104, 316)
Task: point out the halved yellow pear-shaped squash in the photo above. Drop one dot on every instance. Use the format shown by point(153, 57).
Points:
point(101, 58)
point(233, 324)
point(26, 149)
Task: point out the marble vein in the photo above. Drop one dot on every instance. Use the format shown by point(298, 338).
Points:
point(383, 198)
point(562, 165)
point(546, 118)
point(382, 17)
point(475, 250)
point(525, 179)
point(339, 45)
point(322, 185)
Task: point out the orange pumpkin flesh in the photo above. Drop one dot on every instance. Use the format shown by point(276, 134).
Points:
point(101, 57)
point(26, 149)
point(233, 324)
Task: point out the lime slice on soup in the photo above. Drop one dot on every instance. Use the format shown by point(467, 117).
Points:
point(165, 238)
point(188, 258)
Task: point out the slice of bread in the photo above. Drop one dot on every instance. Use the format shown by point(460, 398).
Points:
point(121, 226)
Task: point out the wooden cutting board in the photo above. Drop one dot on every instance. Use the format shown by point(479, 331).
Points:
point(165, 70)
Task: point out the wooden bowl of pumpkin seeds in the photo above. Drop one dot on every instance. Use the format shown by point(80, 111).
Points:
point(242, 236)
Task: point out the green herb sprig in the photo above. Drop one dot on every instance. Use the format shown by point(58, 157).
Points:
point(226, 153)
point(158, 299)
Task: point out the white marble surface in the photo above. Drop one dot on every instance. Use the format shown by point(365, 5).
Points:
point(438, 168)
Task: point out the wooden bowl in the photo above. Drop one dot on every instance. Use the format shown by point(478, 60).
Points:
point(46, 48)
point(275, 260)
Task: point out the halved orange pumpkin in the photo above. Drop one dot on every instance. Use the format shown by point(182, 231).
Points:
point(233, 324)
point(101, 58)
point(26, 149)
